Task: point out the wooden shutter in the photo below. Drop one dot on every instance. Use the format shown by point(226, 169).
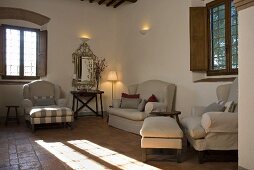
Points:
point(42, 55)
point(1, 50)
point(198, 39)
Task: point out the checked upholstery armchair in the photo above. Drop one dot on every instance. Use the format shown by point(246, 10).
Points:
point(42, 104)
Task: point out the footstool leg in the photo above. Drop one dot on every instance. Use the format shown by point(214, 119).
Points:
point(201, 155)
point(143, 155)
point(179, 155)
point(71, 125)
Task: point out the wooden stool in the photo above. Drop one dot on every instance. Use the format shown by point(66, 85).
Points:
point(8, 118)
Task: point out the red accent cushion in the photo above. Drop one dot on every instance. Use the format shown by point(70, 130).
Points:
point(152, 99)
point(130, 96)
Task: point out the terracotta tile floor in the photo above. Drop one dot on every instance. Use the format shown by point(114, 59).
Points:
point(92, 144)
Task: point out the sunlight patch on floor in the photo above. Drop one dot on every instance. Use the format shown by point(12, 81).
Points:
point(116, 159)
point(72, 158)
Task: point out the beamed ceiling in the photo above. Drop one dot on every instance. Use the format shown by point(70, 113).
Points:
point(113, 3)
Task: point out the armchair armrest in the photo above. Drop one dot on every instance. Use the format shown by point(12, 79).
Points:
point(220, 122)
point(116, 103)
point(155, 107)
point(27, 105)
point(61, 102)
point(197, 110)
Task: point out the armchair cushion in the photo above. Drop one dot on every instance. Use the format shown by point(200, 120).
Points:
point(44, 100)
point(220, 122)
point(214, 107)
point(193, 127)
point(155, 107)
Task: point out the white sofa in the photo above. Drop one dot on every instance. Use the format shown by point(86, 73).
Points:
point(131, 120)
point(214, 130)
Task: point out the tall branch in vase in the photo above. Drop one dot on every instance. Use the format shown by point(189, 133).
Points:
point(99, 67)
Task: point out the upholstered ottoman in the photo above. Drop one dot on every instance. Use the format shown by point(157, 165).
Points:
point(50, 114)
point(161, 132)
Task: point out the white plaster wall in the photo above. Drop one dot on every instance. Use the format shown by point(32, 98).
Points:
point(163, 53)
point(246, 84)
point(69, 20)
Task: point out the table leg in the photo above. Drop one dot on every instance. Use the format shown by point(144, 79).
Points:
point(96, 103)
point(177, 120)
point(16, 110)
point(73, 103)
point(101, 106)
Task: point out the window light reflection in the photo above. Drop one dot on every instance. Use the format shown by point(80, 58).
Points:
point(112, 157)
point(72, 158)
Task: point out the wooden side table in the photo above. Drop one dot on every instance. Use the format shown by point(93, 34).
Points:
point(85, 97)
point(8, 118)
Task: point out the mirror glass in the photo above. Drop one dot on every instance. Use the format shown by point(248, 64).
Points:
point(83, 59)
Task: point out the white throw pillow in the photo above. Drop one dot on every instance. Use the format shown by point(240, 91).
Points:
point(229, 106)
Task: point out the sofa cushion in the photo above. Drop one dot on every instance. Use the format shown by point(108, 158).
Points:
point(131, 114)
point(193, 127)
point(161, 127)
point(152, 98)
point(132, 96)
point(130, 103)
point(141, 106)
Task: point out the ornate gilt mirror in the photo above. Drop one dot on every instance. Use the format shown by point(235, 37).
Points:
point(83, 59)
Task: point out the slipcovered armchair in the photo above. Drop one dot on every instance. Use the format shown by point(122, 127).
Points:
point(132, 119)
point(42, 104)
point(214, 130)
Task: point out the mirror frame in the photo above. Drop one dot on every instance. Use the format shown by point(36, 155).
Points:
point(82, 53)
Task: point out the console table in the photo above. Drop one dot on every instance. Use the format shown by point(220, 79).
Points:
point(85, 97)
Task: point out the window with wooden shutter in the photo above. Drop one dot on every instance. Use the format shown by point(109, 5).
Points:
point(1, 50)
point(42, 56)
point(198, 40)
point(23, 52)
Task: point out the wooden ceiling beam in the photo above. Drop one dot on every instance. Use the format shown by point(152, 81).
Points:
point(133, 1)
point(119, 3)
point(111, 2)
point(114, 3)
point(101, 2)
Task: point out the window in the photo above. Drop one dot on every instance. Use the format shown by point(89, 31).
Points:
point(21, 46)
point(23, 52)
point(222, 38)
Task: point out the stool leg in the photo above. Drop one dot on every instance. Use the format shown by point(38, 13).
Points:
point(17, 118)
point(33, 128)
point(7, 116)
point(143, 154)
point(179, 155)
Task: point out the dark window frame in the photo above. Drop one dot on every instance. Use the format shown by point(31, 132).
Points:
point(229, 70)
point(21, 76)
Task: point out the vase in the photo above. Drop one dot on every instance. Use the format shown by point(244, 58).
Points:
point(97, 84)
